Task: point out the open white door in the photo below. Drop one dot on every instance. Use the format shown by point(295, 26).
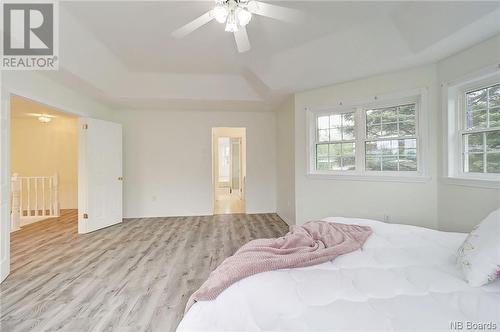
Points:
point(99, 175)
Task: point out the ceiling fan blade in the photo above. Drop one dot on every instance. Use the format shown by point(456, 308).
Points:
point(242, 41)
point(276, 12)
point(193, 25)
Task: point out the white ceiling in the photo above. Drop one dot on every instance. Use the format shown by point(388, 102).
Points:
point(143, 42)
point(123, 53)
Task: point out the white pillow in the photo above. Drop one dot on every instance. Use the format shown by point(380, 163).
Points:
point(479, 255)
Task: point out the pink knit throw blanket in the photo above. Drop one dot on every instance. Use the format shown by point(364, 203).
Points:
point(312, 243)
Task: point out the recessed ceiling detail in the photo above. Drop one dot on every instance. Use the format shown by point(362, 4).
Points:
point(135, 62)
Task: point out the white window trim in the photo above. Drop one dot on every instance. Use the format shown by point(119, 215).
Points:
point(418, 96)
point(453, 121)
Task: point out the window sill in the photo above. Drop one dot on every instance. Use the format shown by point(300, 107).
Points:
point(405, 178)
point(471, 182)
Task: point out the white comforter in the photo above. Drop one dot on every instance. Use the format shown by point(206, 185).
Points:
point(404, 278)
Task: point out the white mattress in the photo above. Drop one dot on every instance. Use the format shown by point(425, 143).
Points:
point(404, 278)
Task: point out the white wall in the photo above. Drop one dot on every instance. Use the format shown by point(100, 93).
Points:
point(168, 161)
point(436, 203)
point(285, 154)
point(408, 203)
point(462, 207)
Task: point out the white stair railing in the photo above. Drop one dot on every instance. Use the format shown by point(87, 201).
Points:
point(34, 198)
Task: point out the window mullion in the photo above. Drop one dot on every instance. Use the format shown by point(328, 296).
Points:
point(480, 130)
point(341, 154)
point(485, 159)
point(397, 124)
point(360, 129)
point(487, 110)
point(464, 152)
point(390, 138)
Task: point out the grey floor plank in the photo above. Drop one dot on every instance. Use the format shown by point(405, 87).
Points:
point(135, 276)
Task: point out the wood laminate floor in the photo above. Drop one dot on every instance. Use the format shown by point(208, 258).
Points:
point(135, 276)
point(227, 203)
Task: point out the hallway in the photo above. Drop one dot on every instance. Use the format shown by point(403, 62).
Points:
point(226, 202)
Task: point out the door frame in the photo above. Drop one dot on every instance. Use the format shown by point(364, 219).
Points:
point(5, 161)
point(215, 164)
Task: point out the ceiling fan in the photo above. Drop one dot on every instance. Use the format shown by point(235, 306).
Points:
point(236, 14)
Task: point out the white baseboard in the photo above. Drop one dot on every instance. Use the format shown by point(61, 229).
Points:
point(4, 269)
point(288, 221)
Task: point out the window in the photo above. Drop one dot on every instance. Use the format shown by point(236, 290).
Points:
point(369, 139)
point(392, 142)
point(335, 147)
point(472, 129)
point(481, 132)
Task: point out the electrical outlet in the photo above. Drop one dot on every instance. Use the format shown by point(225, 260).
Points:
point(387, 218)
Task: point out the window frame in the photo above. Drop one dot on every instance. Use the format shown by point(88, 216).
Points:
point(396, 103)
point(318, 142)
point(455, 121)
point(417, 97)
point(315, 140)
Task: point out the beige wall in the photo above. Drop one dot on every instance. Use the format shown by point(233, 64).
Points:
point(39, 149)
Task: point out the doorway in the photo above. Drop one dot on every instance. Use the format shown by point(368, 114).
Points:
point(99, 174)
point(43, 162)
point(229, 169)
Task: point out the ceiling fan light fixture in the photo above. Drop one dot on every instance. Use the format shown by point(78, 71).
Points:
point(231, 25)
point(220, 13)
point(44, 118)
point(244, 16)
point(236, 15)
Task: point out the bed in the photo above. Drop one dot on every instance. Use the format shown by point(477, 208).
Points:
point(403, 279)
